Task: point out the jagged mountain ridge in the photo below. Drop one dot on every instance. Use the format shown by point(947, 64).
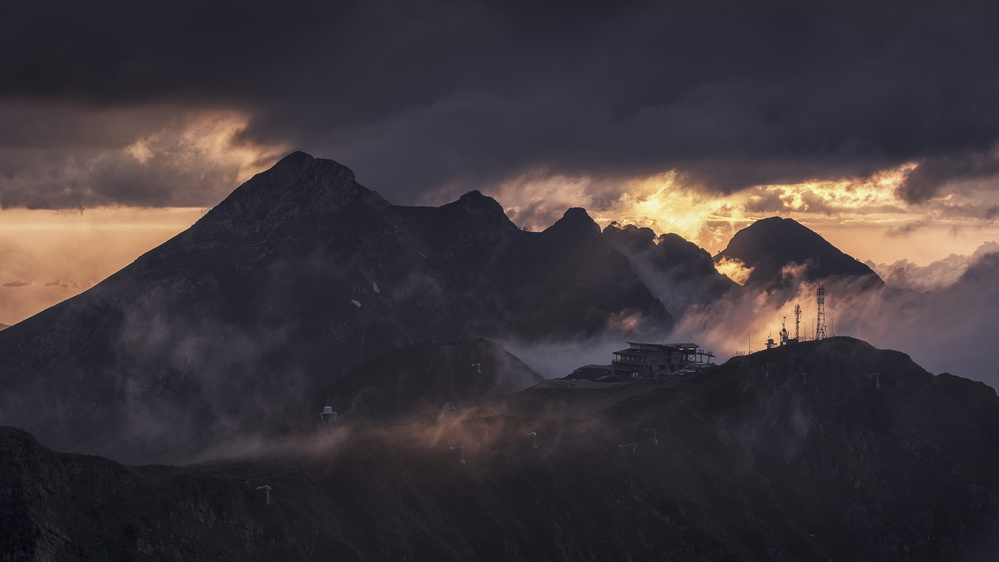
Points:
point(770, 245)
point(300, 274)
point(679, 272)
point(821, 450)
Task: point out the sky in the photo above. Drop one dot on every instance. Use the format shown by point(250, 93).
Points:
point(873, 123)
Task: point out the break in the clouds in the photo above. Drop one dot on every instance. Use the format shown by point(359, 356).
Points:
point(104, 102)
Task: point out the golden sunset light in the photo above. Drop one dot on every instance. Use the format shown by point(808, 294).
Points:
point(864, 218)
point(47, 256)
point(493, 280)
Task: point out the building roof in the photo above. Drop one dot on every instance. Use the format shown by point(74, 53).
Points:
point(639, 346)
point(638, 349)
point(633, 351)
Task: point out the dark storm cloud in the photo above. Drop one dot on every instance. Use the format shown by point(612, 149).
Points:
point(426, 100)
point(767, 203)
point(85, 178)
point(63, 155)
point(935, 173)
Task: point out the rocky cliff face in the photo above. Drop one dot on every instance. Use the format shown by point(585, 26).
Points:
point(299, 275)
point(824, 450)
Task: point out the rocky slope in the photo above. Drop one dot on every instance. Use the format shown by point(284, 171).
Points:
point(823, 450)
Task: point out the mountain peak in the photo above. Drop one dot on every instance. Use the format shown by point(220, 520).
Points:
point(296, 186)
point(475, 197)
point(300, 167)
point(768, 245)
point(574, 222)
point(476, 200)
point(294, 160)
point(630, 236)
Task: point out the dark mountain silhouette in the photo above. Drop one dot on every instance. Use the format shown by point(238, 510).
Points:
point(679, 272)
point(568, 279)
point(297, 276)
point(771, 245)
point(821, 450)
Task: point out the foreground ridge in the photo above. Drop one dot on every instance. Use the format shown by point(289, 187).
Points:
point(824, 450)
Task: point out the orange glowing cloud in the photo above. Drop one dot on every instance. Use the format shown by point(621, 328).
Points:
point(864, 216)
point(734, 270)
point(207, 139)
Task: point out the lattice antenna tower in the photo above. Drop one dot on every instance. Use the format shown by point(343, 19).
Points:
point(797, 321)
point(820, 319)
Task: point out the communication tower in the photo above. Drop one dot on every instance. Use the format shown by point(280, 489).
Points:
point(797, 321)
point(820, 319)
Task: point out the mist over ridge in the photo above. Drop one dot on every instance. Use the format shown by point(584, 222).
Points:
point(301, 274)
point(297, 276)
point(824, 449)
point(341, 375)
point(407, 358)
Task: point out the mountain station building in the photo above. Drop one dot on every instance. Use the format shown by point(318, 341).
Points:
point(655, 360)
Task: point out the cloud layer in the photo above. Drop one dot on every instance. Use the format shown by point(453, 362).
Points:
point(428, 100)
point(903, 274)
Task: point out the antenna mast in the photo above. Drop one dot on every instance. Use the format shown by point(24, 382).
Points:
point(797, 321)
point(820, 325)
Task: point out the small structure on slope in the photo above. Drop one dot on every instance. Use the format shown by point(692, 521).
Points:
point(654, 360)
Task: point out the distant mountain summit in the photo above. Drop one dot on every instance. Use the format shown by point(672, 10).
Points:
point(296, 277)
point(575, 223)
point(297, 187)
point(770, 246)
